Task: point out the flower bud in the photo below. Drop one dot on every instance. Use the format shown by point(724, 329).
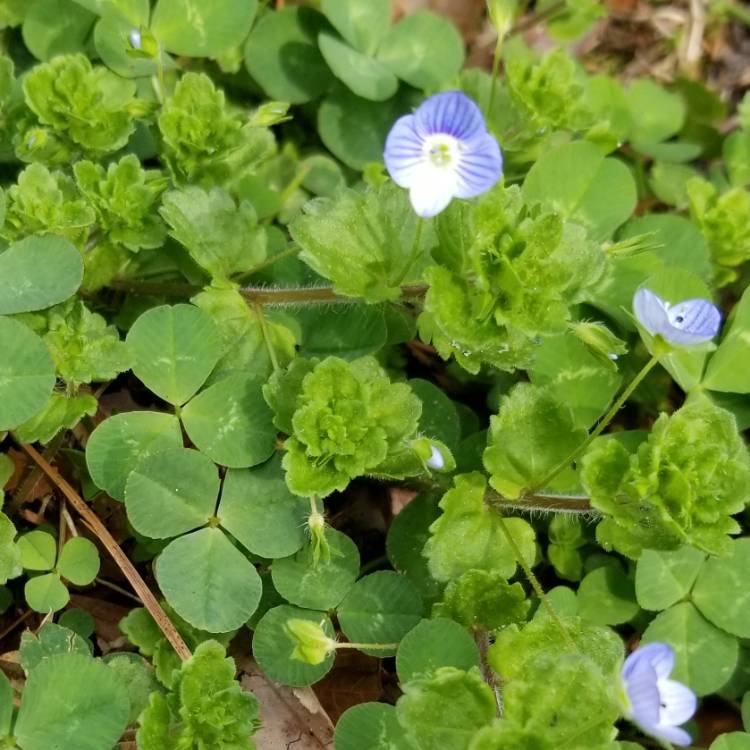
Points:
point(600, 340)
point(502, 14)
point(270, 113)
point(311, 644)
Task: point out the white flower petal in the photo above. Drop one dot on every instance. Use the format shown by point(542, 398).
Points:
point(431, 189)
point(651, 312)
point(640, 679)
point(436, 460)
point(675, 735)
point(404, 151)
point(678, 702)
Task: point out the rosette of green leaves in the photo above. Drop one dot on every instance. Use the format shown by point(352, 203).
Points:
point(344, 419)
point(206, 708)
point(724, 219)
point(681, 486)
point(83, 346)
point(549, 91)
point(506, 275)
point(88, 109)
point(362, 241)
point(206, 141)
point(124, 197)
point(45, 201)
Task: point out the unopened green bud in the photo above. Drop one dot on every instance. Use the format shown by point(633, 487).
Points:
point(316, 523)
point(502, 14)
point(142, 44)
point(311, 644)
point(434, 454)
point(270, 113)
point(600, 340)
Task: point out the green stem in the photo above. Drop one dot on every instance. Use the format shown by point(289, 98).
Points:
point(291, 250)
point(534, 581)
point(266, 338)
point(362, 646)
point(603, 422)
point(413, 253)
point(260, 295)
point(495, 71)
point(293, 184)
point(543, 502)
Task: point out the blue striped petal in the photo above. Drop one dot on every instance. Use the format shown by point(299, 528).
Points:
point(693, 321)
point(479, 166)
point(450, 113)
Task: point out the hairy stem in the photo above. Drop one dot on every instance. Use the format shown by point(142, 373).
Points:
point(362, 646)
point(127, 567)
point(602, 424)
point(261, 295)
point(266, 337)
point(495, 72)
point(413, 253)
point(534, 581)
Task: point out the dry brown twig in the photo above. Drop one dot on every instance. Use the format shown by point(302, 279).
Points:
point(100, 530)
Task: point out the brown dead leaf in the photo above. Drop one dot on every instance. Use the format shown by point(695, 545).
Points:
point(355, 678)
point(106, 616)
point(293, 718)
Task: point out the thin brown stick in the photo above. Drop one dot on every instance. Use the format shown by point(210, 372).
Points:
point(127, 567)
point(25, 616)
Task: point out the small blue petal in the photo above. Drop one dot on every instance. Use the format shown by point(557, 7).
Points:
point(695, 318)
point(693, 321)
point(650, 311)
point(450, 113)
point(640, 679)
point(403, 151)
point(480, 166)
point(135, 39)
point(675, 735)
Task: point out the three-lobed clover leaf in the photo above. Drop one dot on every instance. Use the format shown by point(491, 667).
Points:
point(77, 562)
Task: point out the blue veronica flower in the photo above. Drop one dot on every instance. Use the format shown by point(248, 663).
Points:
point(693, 321)
point(657, 704)
point(442, 151)
point(136, 42)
